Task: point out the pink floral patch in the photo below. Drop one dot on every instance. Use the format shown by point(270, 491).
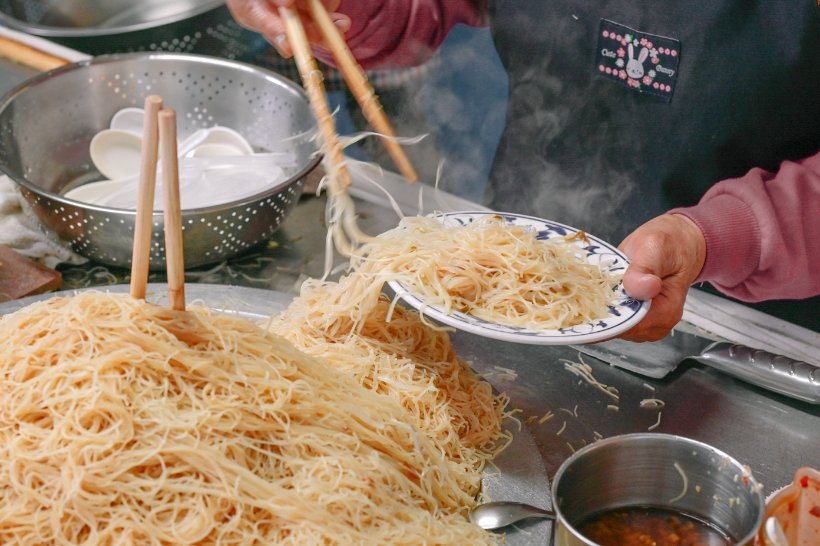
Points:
point(647, 63)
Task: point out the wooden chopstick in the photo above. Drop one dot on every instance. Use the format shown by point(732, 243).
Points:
point(140, 256)
point(174, 257)
point(315, 88)
point(159, 138)
point(359, 85)
point(28, 56)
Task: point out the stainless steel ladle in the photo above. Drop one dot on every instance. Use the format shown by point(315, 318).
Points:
point(495, 515)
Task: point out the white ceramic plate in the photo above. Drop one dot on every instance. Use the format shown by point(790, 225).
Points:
point(624, 312)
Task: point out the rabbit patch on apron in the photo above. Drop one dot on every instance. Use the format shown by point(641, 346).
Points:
point(645, 62)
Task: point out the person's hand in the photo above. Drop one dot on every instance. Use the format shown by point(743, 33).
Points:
point(263, 16)
point(666, 255)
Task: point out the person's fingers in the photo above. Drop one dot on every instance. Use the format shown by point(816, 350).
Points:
point(664, 313)
point(241, 12)
point(312, 31)
point(669, 245)
point(263, 17)
point(273, 28)
point(652, 258)
point(650, 262)
point(666, 256)
point(640, 285)
point(330, 5)
point(342, 21)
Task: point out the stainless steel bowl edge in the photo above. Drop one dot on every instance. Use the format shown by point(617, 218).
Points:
point(47, 122)
point(648, 469)
point(100, 27)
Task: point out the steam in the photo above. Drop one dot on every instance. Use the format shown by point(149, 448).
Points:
point(562, 161)
point(458, 103)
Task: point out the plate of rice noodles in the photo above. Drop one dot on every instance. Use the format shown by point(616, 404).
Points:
point(506, 276)
point(123, 421)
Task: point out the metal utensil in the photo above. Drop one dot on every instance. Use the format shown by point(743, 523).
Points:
point(499, 514)
point(656, 470)
point(100, 27)
point(777, 373)
point(47, 123)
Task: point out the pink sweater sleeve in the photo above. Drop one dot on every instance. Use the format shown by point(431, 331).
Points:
point(401, 33)
point(763, 233)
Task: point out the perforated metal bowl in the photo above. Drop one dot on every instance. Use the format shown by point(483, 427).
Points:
point(99, 27)
point(47, 123)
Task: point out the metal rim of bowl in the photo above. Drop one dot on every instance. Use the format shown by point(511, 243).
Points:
point(560, 516)
point(103, 59)
point(47, 31)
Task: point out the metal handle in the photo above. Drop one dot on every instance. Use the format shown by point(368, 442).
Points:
point(777, 373)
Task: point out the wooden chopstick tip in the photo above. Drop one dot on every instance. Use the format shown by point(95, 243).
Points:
point(153, 101)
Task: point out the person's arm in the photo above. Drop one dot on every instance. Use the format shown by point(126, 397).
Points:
point(396, 33)
point(262, 16)
point(380, 33)
point(760, 236)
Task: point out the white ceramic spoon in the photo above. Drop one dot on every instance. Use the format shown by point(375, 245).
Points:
point(209, 181)
point(128, 119)
point(220, 141)
point(116, 153)
point(252, 173)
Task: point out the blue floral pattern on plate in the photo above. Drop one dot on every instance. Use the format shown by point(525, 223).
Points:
point(624, 312)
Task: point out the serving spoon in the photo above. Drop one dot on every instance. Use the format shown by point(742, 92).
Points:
point(495, 515)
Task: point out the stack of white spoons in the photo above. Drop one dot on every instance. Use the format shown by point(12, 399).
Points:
point(217, 165)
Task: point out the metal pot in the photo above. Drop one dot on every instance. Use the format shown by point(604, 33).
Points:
point(99, 27)
point(660, 471)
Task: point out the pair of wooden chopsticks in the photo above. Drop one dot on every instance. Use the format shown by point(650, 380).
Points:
point(159, 135)
point(356, 80)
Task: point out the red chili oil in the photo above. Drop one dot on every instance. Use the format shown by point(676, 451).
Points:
point(650, 526)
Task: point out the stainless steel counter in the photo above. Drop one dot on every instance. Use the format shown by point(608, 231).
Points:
point(773, 435)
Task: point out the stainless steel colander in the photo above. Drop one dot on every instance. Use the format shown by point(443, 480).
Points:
point(47, 123)
point(99, 27)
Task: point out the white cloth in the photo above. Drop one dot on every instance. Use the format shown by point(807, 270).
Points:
point(20, 230)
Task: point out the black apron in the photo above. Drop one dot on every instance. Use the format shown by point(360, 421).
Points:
point(703, 91)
